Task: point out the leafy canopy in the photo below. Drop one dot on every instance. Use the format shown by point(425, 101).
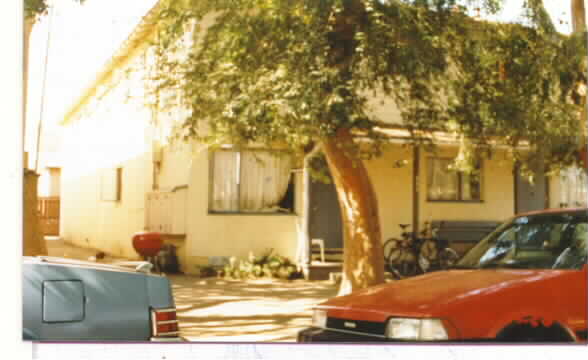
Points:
point(294, 72)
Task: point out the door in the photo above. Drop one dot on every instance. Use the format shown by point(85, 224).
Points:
point(325, 215)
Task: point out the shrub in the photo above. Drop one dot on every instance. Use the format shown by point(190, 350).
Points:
point(267, 264)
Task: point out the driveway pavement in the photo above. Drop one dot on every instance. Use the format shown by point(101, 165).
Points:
point(246, 311)
point(218, 310)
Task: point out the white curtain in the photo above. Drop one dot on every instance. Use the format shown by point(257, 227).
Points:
point(225, 191)
point(442, 182)
point(573, 192)
point(264, 180)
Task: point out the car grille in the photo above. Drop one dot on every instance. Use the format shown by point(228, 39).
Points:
point(357, 326)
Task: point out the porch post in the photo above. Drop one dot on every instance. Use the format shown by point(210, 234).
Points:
point(303, 250)
point(416, 154)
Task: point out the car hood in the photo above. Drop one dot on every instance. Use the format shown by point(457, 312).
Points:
point(430, 295)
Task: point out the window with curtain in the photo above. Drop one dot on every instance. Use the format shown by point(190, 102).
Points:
point(446, 184)
point(573, 187)
point(251, 181)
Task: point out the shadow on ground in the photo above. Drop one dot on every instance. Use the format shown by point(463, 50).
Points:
point(217, 310)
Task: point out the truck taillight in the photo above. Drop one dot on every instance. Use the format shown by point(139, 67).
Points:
point(164, 322)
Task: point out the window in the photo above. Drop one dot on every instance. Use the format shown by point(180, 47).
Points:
point(251, 181)
point(573, 185)
point(446, 184)
point(111, 185)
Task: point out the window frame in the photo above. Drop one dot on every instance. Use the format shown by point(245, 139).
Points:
point(211, 165)
point(460, 176)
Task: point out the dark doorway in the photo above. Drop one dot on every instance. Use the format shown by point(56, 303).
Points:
point(325, 215)
point(530, 197)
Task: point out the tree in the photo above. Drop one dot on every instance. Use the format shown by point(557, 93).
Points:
point(579, 28)
point(299, 74)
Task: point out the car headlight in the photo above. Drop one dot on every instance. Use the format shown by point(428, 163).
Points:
point(319, 318)
point(415, 329)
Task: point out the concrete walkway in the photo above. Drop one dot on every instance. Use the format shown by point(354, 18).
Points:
point(218, 310)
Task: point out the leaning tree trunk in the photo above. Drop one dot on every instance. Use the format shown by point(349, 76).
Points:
point(363, 259)
point(579, 26)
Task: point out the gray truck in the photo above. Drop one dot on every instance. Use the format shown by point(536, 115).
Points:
point(70, 300)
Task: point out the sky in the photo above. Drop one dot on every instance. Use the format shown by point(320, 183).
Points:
point(84, 37)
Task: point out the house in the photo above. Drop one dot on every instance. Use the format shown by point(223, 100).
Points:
point(120, 176)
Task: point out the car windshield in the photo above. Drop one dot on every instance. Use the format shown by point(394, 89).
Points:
point(542, 241)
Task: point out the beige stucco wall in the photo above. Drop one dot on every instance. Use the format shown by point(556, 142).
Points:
point(393, 186)
point(220, 235)
point(112, 131)
point(49, 182)
point(497, 192)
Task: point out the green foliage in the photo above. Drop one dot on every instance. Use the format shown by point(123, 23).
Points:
point(36, 8)
point(266, 265)
point(295, 72)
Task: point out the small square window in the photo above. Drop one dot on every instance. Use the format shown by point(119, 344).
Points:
point(447, 184)
point(111, 185)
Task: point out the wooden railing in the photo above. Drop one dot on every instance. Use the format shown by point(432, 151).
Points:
point(48, 208)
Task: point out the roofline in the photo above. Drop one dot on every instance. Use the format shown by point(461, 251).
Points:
point(138, 36)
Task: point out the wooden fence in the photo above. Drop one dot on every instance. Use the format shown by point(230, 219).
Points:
point(48, 208)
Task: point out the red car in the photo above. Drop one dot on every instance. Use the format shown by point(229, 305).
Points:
point(526, 281)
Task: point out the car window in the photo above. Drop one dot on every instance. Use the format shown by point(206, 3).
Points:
point(576, 254)
point(535, 242)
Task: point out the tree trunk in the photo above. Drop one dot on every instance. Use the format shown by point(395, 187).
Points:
point(579, 26)
point(363, 258)
point(578, 16)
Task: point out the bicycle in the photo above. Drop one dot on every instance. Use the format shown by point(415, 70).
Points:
point(413, 255)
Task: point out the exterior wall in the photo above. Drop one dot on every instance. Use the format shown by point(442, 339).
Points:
point(393, 186)
point(497, 192)
point(220, 235)
point(49, 182)
point(112, 131)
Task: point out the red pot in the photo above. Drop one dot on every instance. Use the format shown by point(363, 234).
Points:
point(147, 243)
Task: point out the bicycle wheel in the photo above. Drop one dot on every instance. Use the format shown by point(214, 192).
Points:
point(390, 245)
point(402, 263)
point(447, 258)
point(428, 255)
